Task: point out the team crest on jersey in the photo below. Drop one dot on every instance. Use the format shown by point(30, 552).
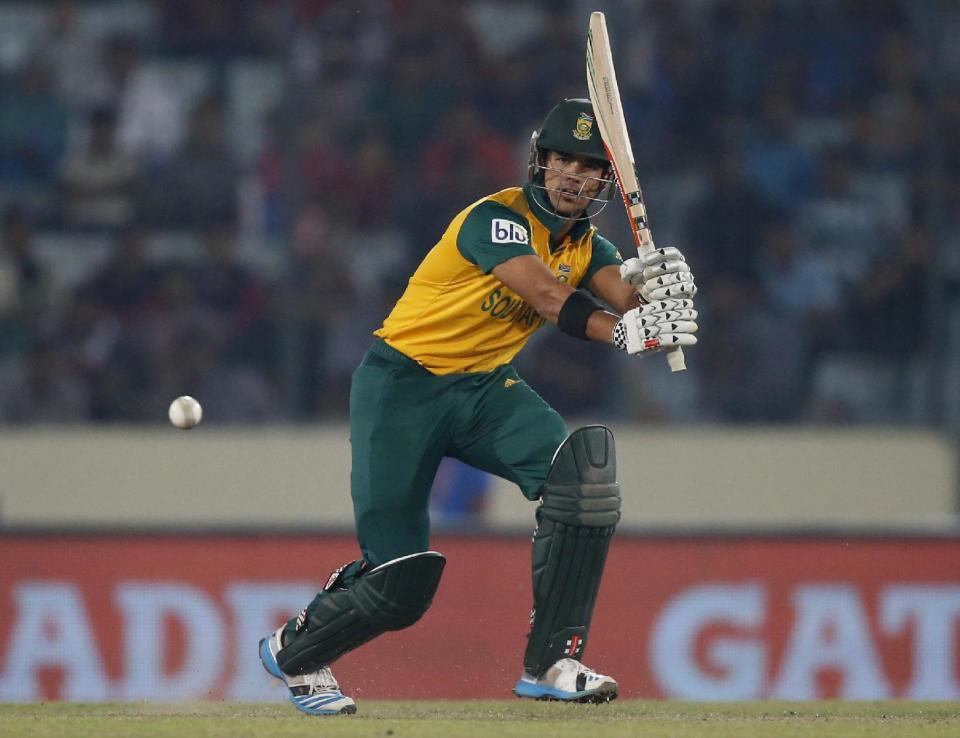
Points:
point(584, 127)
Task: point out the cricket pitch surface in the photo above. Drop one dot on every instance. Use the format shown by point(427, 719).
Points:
point(498, 719)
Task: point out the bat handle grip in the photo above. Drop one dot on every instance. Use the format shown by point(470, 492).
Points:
point(675, 359)
point(675, 356)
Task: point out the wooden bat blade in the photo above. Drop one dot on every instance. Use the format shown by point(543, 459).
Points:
point(605, 96)
point(608, 111)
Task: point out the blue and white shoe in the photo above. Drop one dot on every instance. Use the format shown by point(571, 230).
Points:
point(316, 693)
point(568, 681)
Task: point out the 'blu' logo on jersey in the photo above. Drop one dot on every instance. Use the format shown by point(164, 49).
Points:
point(506, 231)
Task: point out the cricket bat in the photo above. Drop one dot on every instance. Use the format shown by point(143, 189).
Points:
point(605, 96)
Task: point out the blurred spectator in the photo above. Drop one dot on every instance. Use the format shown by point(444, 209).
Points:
point(805, 306)
point(754, 359)
point(100, 351)
point(749, 32)
point(193, 364)
point(46, 391)
point(199, 185)
point(323, 158)
point(175, 310)
point(890, 124)
point(891, 305)
point(74, 53)
point(337, 51)
point(126, 284)
point(527, 64)
point(467, 158)
point(797, 281)
point(102, 329)
point(415, 95)
point(682, 99)
point(100, 181)
point(837, 48)
point(33, 131)
point(220, 29)
point(378, 257)
point(572, 376)
point(777, 165)
point(150, 110)
point(269, 177)
point(23, 281)
point(262, 345)
point(723, 227)
point(369, 181)
point(843, 220)
point(324, 294)
point(225, 286)
point(376, 254)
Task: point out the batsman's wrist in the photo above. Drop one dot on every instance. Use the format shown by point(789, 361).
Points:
point(620, 335)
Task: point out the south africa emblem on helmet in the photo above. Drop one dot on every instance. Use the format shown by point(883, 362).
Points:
point(584, 127)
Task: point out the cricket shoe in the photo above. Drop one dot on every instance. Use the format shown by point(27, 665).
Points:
point(316, 693)
point(568, 681)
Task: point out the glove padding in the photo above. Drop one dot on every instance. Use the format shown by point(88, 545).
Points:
point(659, 275)
point(656, 326)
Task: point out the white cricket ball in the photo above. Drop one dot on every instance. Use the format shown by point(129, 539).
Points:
point(185, 412)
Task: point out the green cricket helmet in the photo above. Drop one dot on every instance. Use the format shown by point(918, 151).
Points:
point(570, 128)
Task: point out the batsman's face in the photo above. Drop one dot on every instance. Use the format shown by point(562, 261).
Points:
point(571, 180)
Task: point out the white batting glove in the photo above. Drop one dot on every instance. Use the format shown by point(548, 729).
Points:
point(656, 326)
point(660, 275)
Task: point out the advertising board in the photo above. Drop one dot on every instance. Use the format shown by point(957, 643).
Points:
point(178, 617)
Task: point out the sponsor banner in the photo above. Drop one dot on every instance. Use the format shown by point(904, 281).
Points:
point(178, 617)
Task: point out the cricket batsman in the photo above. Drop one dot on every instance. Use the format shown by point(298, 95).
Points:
point(437, 381)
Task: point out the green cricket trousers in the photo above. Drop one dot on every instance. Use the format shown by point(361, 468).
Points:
point(404, 420)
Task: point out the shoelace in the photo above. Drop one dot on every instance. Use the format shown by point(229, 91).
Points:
point(587, 672)
point(320, 680)
point(580, 667)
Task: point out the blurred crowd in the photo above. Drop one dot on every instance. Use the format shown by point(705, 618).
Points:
point(223, 198)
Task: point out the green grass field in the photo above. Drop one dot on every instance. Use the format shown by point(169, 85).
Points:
point(500, 719)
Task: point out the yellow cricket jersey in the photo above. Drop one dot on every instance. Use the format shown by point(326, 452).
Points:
point(455, 316)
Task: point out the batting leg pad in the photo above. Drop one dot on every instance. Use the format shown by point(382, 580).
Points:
point(392, 596)
point(579, 511)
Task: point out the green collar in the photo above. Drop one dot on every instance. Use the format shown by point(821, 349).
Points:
point(554, 223)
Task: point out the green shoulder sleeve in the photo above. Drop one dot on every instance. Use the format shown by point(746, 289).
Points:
point(604, 254)
point(492, 233)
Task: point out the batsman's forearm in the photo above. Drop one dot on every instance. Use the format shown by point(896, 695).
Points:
point(600, 326)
